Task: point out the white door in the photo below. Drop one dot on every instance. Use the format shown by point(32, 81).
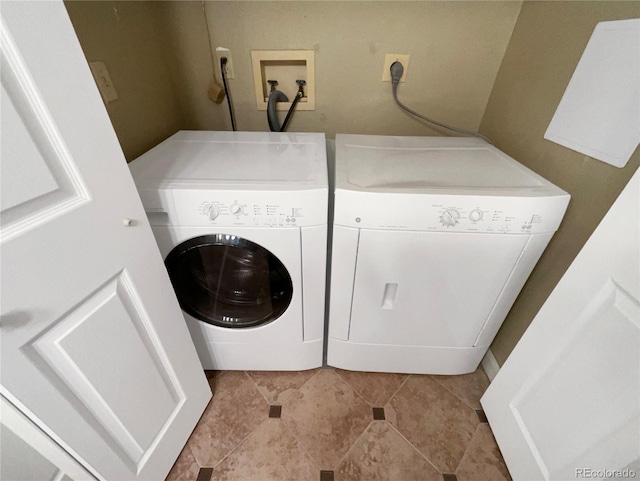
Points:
point(94, 346)
point(566, 403)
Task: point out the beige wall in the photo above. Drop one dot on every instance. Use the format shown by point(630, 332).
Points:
point(158, 56)
point(185, 34)
point(128, 37)
point(547, 43)
point(455, 47)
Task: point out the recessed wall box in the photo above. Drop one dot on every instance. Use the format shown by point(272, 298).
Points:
point(284, 66)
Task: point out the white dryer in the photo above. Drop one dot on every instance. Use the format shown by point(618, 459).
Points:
point(241, 220)
point(433, 239)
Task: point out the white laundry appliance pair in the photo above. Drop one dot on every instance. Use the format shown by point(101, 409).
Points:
point(241, 220)
point(433, 239)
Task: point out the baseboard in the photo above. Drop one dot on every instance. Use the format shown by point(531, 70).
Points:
point(490, 365)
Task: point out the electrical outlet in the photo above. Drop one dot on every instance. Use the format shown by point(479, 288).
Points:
point(228, 68)
point(388, 60)
point(103, 80)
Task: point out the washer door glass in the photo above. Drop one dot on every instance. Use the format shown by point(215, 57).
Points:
point(229, 281)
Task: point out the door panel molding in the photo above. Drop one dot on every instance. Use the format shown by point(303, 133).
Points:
point(80, 369)
point(62, 188)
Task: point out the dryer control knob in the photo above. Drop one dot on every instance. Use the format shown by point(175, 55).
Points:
point(475, 215)
point(449, 217)
point(213, 212)
point(236, 209)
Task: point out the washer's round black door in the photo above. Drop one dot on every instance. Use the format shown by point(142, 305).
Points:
point(229, 281)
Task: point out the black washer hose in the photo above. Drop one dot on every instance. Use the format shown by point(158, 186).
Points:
point(223, 62)
point(293, 106)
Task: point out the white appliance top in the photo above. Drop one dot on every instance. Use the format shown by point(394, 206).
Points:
point(252, 160)
point(444, 184)
point(437, 165)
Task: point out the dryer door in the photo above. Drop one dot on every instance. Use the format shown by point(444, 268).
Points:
point(228, 281)
point(429, 288)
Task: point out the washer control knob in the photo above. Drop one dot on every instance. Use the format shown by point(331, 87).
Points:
point(475, 215)
point(213, 212)
point(449, 217)
point(235, 209)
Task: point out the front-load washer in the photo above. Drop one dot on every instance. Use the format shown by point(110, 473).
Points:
point(433, 239)
point(241, 220)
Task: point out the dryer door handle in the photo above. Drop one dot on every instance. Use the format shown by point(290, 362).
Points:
point(389, 296)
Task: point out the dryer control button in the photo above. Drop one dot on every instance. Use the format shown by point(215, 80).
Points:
point(475, 215)
point(213, 212)
point(449, 217)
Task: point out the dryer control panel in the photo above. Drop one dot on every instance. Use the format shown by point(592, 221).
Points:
point(250, 209)
point(449, 213)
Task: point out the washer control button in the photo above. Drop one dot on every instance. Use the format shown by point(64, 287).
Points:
point(213, 212)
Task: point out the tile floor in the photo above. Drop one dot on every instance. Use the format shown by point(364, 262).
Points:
point(335, 425)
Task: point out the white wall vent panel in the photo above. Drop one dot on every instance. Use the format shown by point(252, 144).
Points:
point(599, 114)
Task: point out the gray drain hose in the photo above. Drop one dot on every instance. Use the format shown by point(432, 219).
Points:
point(272, 114)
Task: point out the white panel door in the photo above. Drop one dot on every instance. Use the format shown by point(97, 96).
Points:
point(94, 346)
point(566, 403)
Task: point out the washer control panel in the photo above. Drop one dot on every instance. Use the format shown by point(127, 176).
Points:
point(251, 209)
point(250, 214)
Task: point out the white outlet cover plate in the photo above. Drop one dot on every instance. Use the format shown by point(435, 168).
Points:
point(103, 80)
point(389, 59)
point(225, 52)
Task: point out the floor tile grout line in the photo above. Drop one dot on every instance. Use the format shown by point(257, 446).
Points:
point(302, 446)
point(257, 387)
point(352, 445)
point(318, 370)
point(434, 377)
point(431, 376)
point(355, 391)
point(240, 443)
point(191, 451)
point(361, 396)
point(415, 448)
point(493, 436)
point(455, 471)
point(399, 387)
point(284, 423)
point(187, 443)
point(280, 401)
